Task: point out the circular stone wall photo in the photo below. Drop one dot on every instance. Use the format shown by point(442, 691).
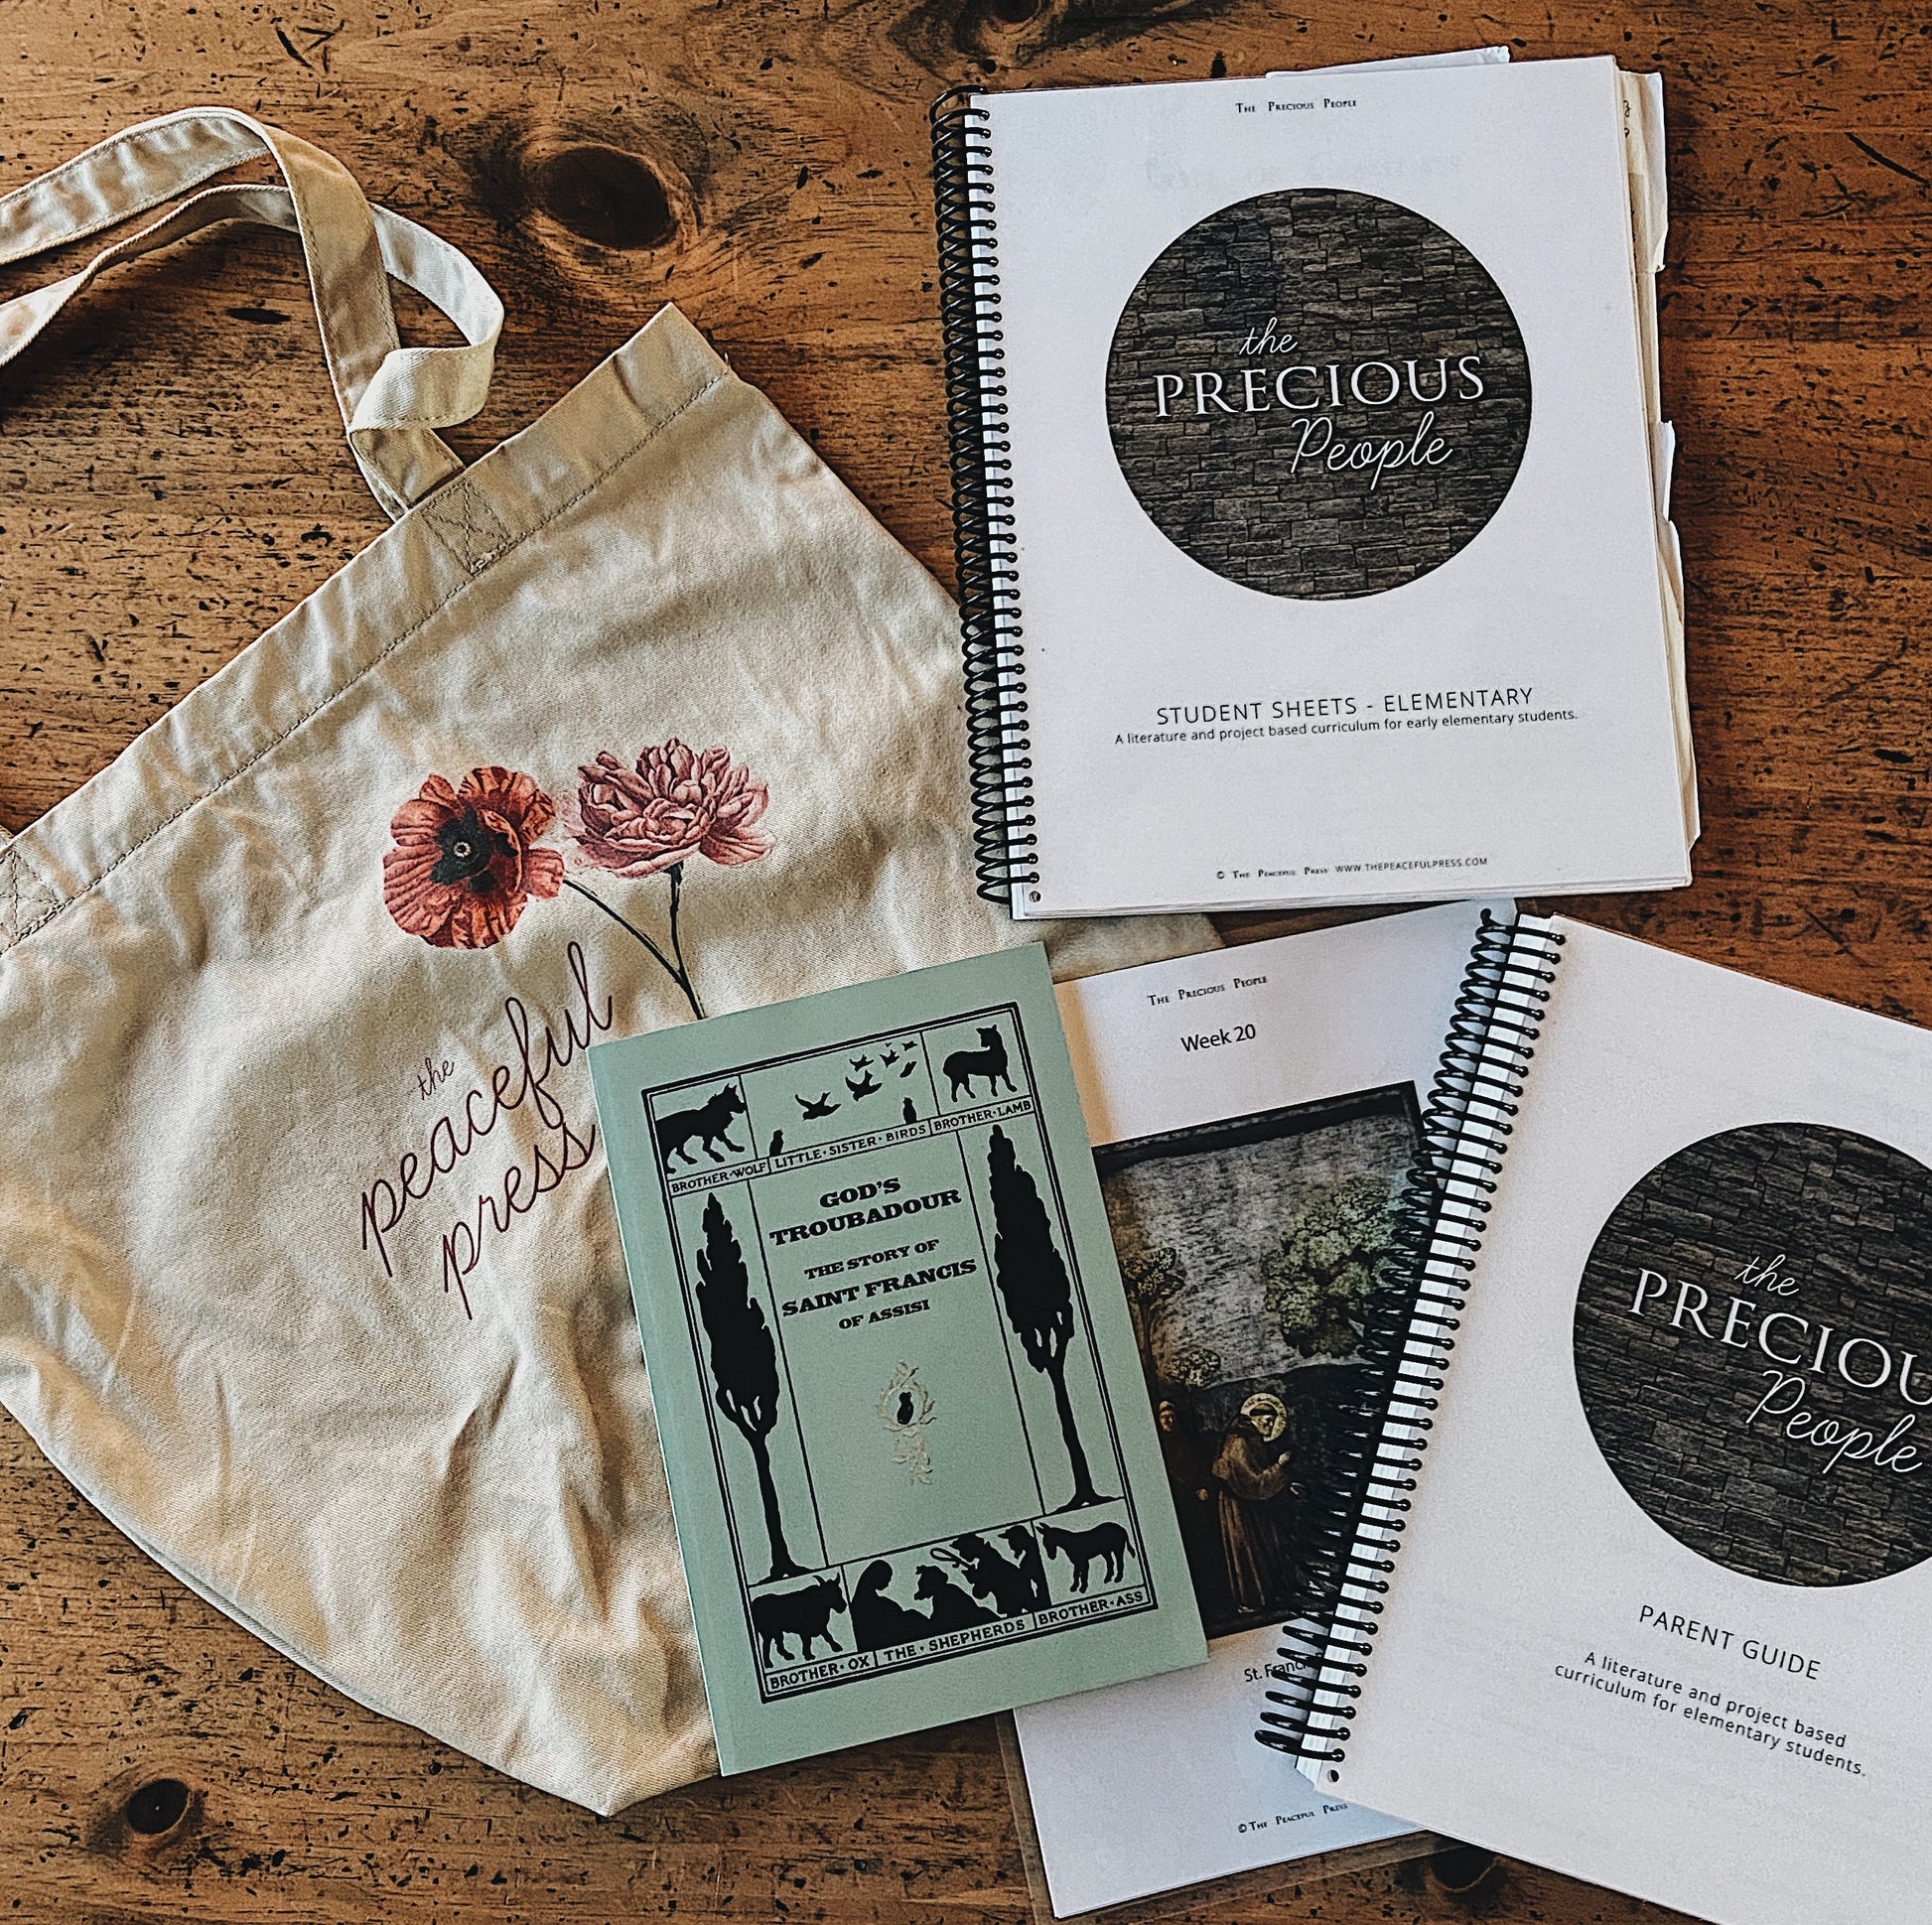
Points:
point(1318, 394)
point(1753, 1349)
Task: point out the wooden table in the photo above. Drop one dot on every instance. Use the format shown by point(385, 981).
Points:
point(172, 478)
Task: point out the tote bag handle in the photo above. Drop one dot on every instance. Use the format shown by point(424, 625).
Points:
point(392, 398)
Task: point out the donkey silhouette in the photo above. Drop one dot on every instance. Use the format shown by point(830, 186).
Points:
point(1106, 1542)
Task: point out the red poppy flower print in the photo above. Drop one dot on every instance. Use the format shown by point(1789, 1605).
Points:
point(672, 804)
point(463, 867)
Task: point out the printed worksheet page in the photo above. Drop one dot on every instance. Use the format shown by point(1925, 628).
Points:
point(1254, 1112)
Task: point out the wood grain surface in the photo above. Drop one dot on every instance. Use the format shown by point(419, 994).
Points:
point(172, 478)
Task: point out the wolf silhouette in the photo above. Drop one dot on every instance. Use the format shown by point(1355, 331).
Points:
point(709, 1123)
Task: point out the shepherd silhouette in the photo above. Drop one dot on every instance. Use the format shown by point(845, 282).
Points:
point(878, 1621)
point(950, 1607)
point(1032, 1284)
point(744, 1367)
point(1026, 1553)
point(1006, 1584)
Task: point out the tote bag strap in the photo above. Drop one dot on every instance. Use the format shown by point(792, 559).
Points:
point(392, 398)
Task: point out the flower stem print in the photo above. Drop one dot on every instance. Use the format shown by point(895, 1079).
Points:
point(676, 970)
point(677, 874)
point(464, 862)
point(654, 816)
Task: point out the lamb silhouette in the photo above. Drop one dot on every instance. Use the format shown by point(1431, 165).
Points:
point(989, 1060)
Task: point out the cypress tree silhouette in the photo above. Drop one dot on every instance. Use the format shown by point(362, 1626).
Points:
point(743, 1365)
point(1038, 1298)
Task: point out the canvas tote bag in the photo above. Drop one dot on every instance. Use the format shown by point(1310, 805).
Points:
point(308, 1273)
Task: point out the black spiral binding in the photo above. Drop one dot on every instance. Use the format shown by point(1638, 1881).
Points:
point(1412, 1324)
point(982, 503)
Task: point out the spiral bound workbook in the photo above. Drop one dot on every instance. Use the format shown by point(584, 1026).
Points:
point(1635, 1541)
point(1310, 487)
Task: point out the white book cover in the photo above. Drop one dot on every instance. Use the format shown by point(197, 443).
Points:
point(1235, 1100)
point(1659, 1612)
point(1327, 418)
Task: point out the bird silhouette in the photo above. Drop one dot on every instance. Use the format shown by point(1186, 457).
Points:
point(820, 1105)
point(889, 1059)
point(908, 1069)
point(860, 1063)
point(778, 1144)
point(909, 1113)
point(864, 1086)
point(905, 1412)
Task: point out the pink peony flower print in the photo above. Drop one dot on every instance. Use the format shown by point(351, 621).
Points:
point(672, 804)
point(463, 867)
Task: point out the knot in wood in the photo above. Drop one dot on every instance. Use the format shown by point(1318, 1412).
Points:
point(154, 1808)
point(605, 195)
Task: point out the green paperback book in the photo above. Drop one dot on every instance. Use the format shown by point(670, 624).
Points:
point(911, 1457)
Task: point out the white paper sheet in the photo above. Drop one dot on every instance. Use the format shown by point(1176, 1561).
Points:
point(1145, 1787)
